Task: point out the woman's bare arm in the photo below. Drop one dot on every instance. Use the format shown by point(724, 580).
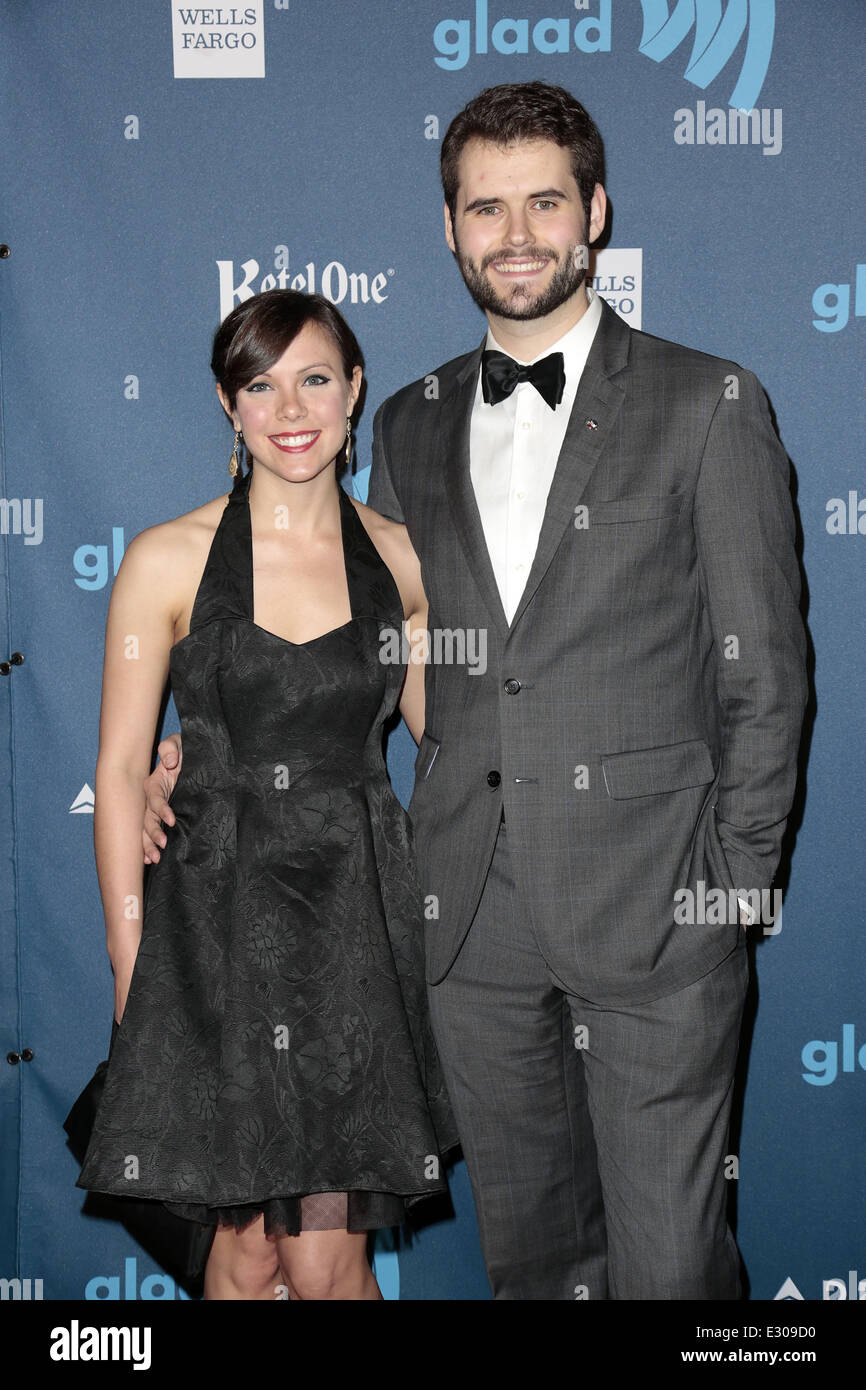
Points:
point(138, 638)
point(392, 541)
point(412, 696)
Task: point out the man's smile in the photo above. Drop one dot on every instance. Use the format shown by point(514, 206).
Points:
point(513, 266)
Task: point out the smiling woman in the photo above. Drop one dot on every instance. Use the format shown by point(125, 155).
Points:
point(297, 405)
point(299, 1103)
point(257, 334)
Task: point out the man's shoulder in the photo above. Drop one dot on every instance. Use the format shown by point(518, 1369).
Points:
point(434, 385)
point(654, 353)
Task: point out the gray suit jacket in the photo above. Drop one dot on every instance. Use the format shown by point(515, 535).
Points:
point(659, 653)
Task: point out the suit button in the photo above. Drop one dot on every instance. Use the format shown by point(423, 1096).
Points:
point(512, 686)
point(493, 779)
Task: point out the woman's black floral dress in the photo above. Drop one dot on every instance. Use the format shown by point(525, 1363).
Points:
point(276, 1040)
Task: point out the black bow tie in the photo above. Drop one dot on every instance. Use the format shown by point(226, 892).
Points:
point(500, 375)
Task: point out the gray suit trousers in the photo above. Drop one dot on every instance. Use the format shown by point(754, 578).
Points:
point(595, 1138)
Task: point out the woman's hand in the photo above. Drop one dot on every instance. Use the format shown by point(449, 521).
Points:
point(158, 787)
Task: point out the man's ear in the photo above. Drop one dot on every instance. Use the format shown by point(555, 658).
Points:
point(597, 213)
point(449, 230)
point(224, 402)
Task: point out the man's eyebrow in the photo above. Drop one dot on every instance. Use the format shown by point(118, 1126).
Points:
point(486, 202)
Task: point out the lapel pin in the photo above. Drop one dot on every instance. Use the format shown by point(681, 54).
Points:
point(591, 424)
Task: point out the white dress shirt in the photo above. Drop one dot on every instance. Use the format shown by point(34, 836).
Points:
point(513, 449)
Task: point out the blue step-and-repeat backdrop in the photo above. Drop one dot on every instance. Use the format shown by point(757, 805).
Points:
point(162, 161)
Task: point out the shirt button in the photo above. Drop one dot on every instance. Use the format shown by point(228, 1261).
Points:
point(526, 425)
point(512, 686)
point(493, 779)
point(520, 496)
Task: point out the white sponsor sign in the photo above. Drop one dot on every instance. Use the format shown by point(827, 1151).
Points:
point(218, 40)
point(616, 273)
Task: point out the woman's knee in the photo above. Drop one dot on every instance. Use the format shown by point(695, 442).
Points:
point(326, 1265)
point(247, 1259)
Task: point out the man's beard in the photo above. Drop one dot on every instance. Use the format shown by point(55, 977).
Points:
point(521, 302)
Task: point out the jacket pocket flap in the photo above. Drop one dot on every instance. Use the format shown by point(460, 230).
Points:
point(649, 771)
point(426, 756)
point(633, 509)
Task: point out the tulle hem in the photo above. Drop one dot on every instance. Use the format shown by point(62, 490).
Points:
point(318, 1211)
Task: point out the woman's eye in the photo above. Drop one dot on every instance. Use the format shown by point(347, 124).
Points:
point(258, 386)
point(316, 379)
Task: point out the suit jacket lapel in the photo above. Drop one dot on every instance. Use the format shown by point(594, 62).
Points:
point(453, 448)
point(599, 399)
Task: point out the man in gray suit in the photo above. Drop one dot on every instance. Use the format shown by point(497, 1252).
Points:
point(612, 512)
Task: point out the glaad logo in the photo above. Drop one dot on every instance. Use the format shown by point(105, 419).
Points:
point(835, 1290)
point(335, 282)
point(221, 41)
point(717, 34)
point(452, 38)
point(386, 1266)
point(91, 561)
point(105, 1288)
point(832, 303)
point(822, 1058)
point(832, 1290)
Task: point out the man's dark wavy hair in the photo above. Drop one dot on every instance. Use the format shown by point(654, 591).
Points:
point(526, 111)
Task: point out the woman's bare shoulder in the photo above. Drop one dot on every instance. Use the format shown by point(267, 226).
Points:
point(179, 543)
point(384, 532)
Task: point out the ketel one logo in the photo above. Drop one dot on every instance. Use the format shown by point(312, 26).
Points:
point(717, 34)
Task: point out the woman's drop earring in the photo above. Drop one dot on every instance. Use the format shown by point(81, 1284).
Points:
point(348, 440)
point(235, 460)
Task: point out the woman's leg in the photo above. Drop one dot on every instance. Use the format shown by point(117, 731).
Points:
point(243, 1264)
point(327, 1264)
